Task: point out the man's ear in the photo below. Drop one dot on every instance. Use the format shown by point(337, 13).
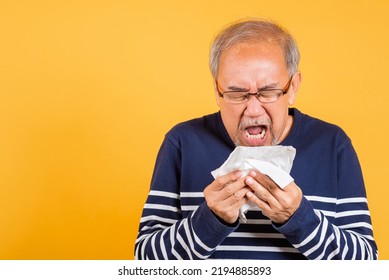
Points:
point(294, 87)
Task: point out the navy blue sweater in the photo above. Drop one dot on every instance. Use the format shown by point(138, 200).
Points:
point(332, 221)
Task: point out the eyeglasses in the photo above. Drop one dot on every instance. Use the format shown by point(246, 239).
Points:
point(264, 96)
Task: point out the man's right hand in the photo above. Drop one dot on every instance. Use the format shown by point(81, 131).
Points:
point(226, 195)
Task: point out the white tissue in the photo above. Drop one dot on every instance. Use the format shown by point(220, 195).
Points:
point(274, 161)
point(279, 176)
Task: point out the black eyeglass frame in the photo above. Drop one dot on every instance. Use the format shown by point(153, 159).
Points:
point(257, 94)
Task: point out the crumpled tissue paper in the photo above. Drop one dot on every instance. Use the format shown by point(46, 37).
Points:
point(274, 161)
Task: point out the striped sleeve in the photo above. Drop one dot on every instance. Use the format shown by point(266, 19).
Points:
point(337, 223)
point(164, 234)
point(167, 230)
point(349, 236)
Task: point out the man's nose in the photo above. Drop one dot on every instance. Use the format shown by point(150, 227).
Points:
point(254, 108)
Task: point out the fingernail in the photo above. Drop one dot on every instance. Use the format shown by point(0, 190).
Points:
point(238, 173)
point(252, 173)
point(249, 181)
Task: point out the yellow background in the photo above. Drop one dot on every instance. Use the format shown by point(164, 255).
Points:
point(89, 88)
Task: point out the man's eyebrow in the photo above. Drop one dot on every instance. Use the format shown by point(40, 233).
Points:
point(266, 87)
point(269, 86)
point(236, 88)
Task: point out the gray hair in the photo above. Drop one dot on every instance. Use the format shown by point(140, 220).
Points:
point(254, 31)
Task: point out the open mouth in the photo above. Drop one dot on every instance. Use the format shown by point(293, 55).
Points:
point(256, 132)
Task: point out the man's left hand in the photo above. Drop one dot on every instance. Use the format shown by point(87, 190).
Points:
point(276, 203)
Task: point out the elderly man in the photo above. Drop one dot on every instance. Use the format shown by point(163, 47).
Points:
point(322, 214)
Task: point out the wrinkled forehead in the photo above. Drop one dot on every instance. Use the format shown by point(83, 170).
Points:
point(246, 52)
point(265, 48)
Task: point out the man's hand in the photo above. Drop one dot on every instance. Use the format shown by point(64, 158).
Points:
point(276, 203)
point(226, 195)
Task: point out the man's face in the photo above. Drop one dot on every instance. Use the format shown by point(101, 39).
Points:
point(253, 67)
